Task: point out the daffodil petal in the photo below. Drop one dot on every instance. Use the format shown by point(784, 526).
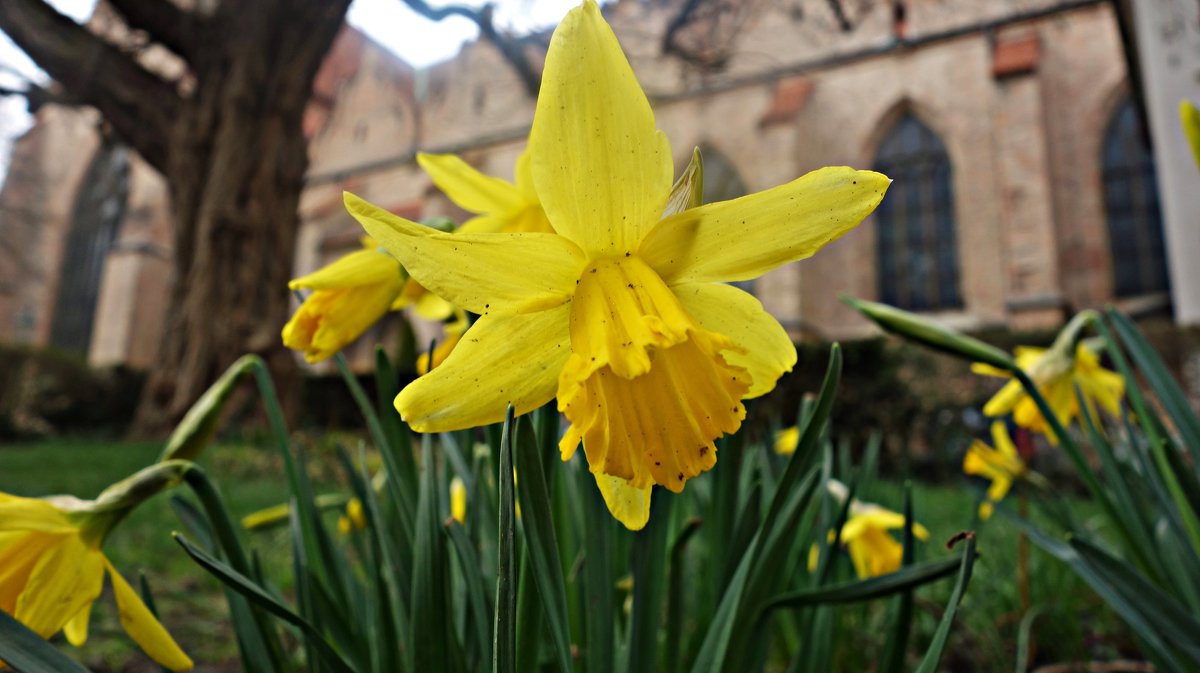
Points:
point(985, 369)
point(19, 553)
point(768, 351)
point(1004, 400)
point(33, 514)
point(328, 320)
point(363, 267)
point(627, 503)
point(467, 187)
point(76, 629)
point(601, 170)
point(68, 576)
point(144, 628)
point(499, 360)
point(432, 307)
point(747, 237)
point(483, 273)
point(484, 224)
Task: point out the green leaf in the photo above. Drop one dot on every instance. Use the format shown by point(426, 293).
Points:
point(934, 654)
point(431, 637)
point(904, 579)
point(598, 577)
point(27, 652)
point(505, 635)
point(540, 540)
point(676, 607)
point(244, 586)
point(649, 566)
point(892, 660)
point(476, 588)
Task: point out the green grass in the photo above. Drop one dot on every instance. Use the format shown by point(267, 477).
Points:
point(1073, 624)
point(190, 602)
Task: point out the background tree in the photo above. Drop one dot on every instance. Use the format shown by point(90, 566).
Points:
point(220, 116)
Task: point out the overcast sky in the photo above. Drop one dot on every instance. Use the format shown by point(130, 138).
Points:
point(415, 39)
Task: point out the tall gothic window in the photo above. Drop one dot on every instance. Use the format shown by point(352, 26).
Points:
point(99, 208)
point(1131, 207)
point(722, 183)
point(915, 243)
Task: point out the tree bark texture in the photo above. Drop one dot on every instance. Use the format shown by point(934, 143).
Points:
point(228, 138)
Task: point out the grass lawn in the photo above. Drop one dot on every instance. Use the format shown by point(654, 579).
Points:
point(1072, 625)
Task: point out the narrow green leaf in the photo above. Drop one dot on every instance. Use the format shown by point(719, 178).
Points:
point(476, 588)
point(540, 540)
point(868, 589)
point(598, 577)
point(676, 606)
point(27, 652)
point(431, 637)
point(1024, 639)
point(934, 654)
point(649, 566)
point(246, 587)
point(505, 634)
point(894, 651)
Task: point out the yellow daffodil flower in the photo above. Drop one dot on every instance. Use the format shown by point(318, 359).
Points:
point(348, 297)
point(52, 570)
point(1189, 119)
point(458, 500)
point(499, 205)
point(619, 311)
point(873, 550)
point(353, 519)
point(1055, 373)
point(786, 440)
point(1001, 465)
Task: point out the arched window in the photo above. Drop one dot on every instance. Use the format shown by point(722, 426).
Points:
point(1131, 207)
point(722, 183)
point(99, 208)
point(915, 243)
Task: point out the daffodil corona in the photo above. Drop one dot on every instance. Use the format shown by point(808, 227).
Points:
point(52, 570)
point(619, 311)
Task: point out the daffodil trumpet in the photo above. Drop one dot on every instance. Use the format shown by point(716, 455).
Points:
point(622, 312)
point(52, 568)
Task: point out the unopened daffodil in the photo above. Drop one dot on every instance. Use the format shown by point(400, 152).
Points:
point(1000, 464)
point(786, 440)
point(620, 312)
point(1055, 372)
point(349, 296)
point(499, 205)
point(52, 568)
point(458, 500)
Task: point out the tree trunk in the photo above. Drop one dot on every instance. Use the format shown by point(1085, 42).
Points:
point(236, 168)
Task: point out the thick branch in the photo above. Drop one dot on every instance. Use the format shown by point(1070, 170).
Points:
point(139, 106)
point(509, 47)
point(176, 29)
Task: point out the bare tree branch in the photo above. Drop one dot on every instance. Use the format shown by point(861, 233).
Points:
point(510, 48)
point(139, 105)
point(839, 14)
point(176, 29)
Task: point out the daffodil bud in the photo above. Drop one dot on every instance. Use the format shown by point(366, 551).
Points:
point(925, 331)
point(688, 191)
point(198, 425)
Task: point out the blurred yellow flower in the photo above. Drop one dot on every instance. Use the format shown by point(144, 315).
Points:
point(353, 519)
point(1001, 465)
point(872, 549)
point(452, 332)
point(619, 311)
point(458, 500)
point(786, 440)
point(1055, 373)
point(1189, 119)
point(499, 205)
point(52, 570)
point(348, 297)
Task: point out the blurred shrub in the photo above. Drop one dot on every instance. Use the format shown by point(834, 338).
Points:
point(46, 391)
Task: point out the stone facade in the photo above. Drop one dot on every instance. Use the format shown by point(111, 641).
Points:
point(1020, 93)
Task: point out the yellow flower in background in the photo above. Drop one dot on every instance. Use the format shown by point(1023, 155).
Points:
point(1000, 465)
point(452, 332)
point(499, 205)
point(353, 519)
point(52, 570)
point(866, 536)
point(1055, 373)
point(348, 297)
point(786, 440)
point(873, 550)
point(458, 500)
point(1189, 119)
point(620, 312)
